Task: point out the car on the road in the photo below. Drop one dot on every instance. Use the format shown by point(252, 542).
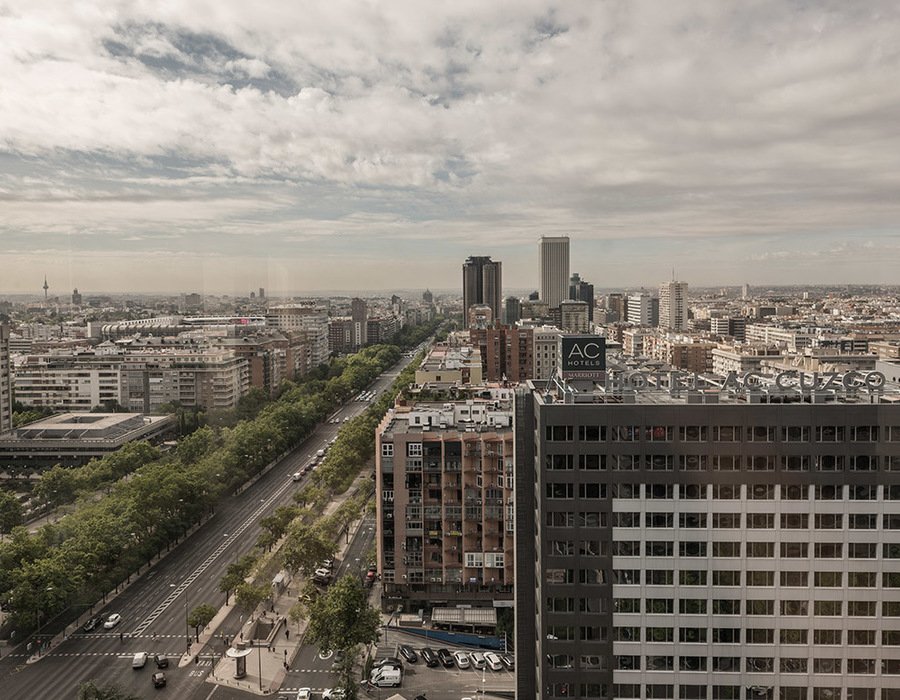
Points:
point(296, 476)
point(304, 694)
point(92, 624)
point(159, 680)
point(112, 621)
point(462, 659)
point(493, 661)
point(408, 653)
point(322, 576)
point(161, 660)
point(477, 659)
point(446, 658)
point(508, 661)
point(333, 694)
point(139, 660)
point(431, 659)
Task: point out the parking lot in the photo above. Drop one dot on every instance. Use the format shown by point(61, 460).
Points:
point(439, 683)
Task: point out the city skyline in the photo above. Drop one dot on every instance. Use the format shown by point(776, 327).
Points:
point(221, 148)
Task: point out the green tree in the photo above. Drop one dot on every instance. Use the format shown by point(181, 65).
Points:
point(306, 546)
point(201, 616)
point(248, 596)
point(11, 512)
point(91, 691)
point(341, 618)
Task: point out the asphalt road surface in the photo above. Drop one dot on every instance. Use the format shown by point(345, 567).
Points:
point(154, 608)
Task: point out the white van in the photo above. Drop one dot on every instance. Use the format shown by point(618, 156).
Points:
point(387, 677)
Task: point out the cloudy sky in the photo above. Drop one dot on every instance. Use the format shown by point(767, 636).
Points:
point(225, 145)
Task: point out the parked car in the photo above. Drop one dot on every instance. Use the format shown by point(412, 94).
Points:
point(508, 661)
point(333, 694)
point(493, 661)
point(322, 576)
point(386, 677)
point(446, 658)
point(462, 659)
point(112, 621)
point(159, 680)
point(296, 476)
point(93, 623)
point(389, 661)
point(431, 659)
point(139, 660)
point(304, 694)
point(161, 660)
point(408, 653)
point(477, 659)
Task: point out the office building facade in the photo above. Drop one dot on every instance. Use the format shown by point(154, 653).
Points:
point(708, 545)
point(482, 285)
point(579, 290)
point(554, 269)
point(5, 380)
point(673, 306)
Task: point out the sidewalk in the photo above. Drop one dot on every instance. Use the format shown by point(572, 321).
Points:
point(268, 659)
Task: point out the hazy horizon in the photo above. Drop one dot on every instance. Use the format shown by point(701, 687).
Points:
point(224, 146)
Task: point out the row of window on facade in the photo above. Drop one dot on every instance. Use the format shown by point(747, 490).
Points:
point(725, 664)
point(724, 606)
point(722, 433)
point(650, 691)
point(721, 462)
point(759, 492)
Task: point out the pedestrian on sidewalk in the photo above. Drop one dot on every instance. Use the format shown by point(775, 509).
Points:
point(287, 632)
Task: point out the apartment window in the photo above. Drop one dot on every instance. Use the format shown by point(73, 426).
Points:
point(760, 664)
point(659, 491)
point(860, 665)
point(829, 433)
point(760, 636)
point(692, 663)
point(762, 433)
point(658, 433)
point(387, 449)
point(626, 491)
point(591, 518)
point(693, 433)
point(626, 634)
point(795, 550)
point(761, 492)
point(862, 492)
point(760, 607)
point(726, 463)
point(659, 577)
point(760, 578)
point(659, 690)
point(892, 492)
point(727, 433)
point(591, 576)
point(660, 462)
point(828, 550)
point(560, 491)
point(828, 579)
point(561, 548)
point(560, 433)
point(891, 521)
point(761, 463)
point(560, 519)
point(726, 549)
point(795, 433)
point(726, 521)
point(760, 549)
point(693, 462)
point(864, 463)
point(626, 519)
point(659, 605)
point(864, 433)
point(760, 520)
point(692, 692)
point(692, 606)
point(794, 665)
point(592, 605)
point(795, 463)
point(721, 492)
point(862, 550)
point(861, 608)
point(626, 463)
point(830, 463)
point(692, 578)
point(826, 693)
point(829, 521)
point(660, 663)
point(692, 549)
point(827, 608)
point(592, 433)
point(627, 663)
point(861, 637)
point(861, 579)
point(795, 521)
point(560, 660)
point(726, 692)
point(592, 634)
point(414, 449)
point(659, 634)
point(626, 548)
point(561, 605)
point(550, 576)
point(659, 520)
point(730, 664)
point(625, 433)
point(692, 635)
point(692, 520)
point(794, 578)
point(591, 548)
point(627, 605)
point(890, 638)
point(726, 606)
point(562, 632)
point(592, 491)
point(726, 635)
point(658, 548)
point(891, 550)
point(789, 636)
point(829, 492)
point(560, 462)
point(827, 666)
point(795, 607)
point(592, 462)
point(692, 492)
point(831, 637)
point(727, 578)
point(627, 690)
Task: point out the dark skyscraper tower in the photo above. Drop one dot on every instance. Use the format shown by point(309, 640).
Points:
point(579, 290)
point(482, 284)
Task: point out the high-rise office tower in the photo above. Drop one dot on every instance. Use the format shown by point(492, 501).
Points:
point(673, 305)
point(76, 297)
point(513, 310)
point(640, 309)
point(262, 293)
point(358, 311)
point(482, 285)
point(739, 543)
point(554, 264)
point(5, 381)
point(579, 290)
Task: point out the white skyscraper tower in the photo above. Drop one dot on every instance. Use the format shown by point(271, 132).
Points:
point(554, 262)
point(673, 305)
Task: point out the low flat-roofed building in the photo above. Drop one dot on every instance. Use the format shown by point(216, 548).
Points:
point(72, 439)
